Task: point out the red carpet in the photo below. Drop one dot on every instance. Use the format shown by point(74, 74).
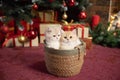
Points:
point(101, 63)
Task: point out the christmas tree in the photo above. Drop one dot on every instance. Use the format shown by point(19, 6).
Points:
point(21, 9)
point(18, 13)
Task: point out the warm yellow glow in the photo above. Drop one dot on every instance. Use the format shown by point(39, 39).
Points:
point(112, 18)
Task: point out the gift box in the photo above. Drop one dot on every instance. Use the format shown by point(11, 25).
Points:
point(42, 28)
point(88, 42)
point(68, 27)
point(48, 16)
point(83, 33)
point(14, 42)
point(82, 29)
point(32, 43)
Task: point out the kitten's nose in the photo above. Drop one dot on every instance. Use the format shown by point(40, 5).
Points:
point(67, 39)
point(57, 37)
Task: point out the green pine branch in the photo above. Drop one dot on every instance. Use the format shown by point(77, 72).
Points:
point(105, 38)
point(21, 10)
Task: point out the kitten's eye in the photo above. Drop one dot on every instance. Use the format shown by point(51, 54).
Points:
point(70, 37)
point(54, 36)
point(65, 37)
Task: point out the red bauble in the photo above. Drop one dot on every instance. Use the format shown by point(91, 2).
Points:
point(35, 6)
point(4, 29)
point(51, 0)
point(32, 34)
point(82, 15)
point(71, 2)
point(64, 3)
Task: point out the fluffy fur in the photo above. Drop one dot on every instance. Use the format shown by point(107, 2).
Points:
point(69, 40)
point(52, 37)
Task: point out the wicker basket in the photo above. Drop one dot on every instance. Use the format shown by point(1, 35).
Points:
point(64, 63)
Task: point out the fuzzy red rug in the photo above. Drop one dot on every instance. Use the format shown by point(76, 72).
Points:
point(101, 63)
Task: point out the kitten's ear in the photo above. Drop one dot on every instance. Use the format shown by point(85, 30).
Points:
point(74, 31)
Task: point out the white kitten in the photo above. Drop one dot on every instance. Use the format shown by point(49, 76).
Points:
point(52, 37)
point(69, 40)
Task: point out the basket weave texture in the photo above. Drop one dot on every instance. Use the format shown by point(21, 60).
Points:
point(64, 63)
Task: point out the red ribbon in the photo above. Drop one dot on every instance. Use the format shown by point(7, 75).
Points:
point(43, 16)
point(42, 34)
point(82, 27)
point(56, 15)
point(68, 27)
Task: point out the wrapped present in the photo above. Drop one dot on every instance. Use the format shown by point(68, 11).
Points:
point(32, 43)
point(88, 42)
point(43, 27)
point(83, 33)
point(82, 30)
point(14, 42)
point(48, 16)
point(68, 27)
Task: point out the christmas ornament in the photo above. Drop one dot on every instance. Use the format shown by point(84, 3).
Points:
point(65, 8)
point(64, 16)
point(35, 6)
point(64, 3)
point(22, 39)
point(82, 15)
point(71, 2)
point(4, 29)
point(51, 1)
point(32, 34)
point(76, 3)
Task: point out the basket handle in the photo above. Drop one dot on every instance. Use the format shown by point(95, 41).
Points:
point(81, 49)
point(78, 48)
